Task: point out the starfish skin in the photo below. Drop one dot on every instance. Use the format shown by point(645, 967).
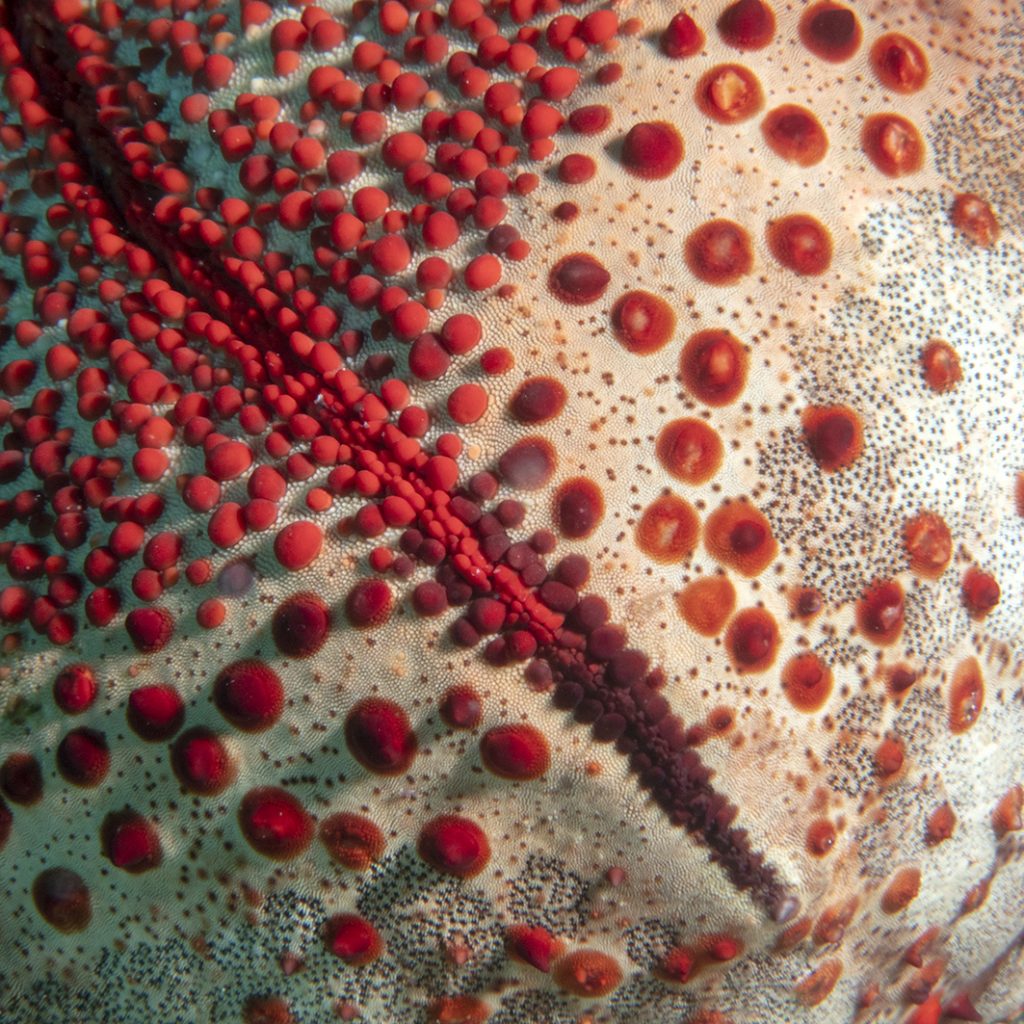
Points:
point(511, 514)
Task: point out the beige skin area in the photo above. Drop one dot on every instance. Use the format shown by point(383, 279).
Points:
point(827, 568)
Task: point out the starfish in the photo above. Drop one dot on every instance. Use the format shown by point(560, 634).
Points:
point(511, 512)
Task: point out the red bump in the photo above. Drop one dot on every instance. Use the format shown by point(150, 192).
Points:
point(588, 973)
point(690, 450)
point(528, 464)
point(719, 252)
point(535, 946)
point(537, 400)
point(682, 37)
point(21, 779)
point(228, 460)
point(461, 707)
point(454, 846)
point(62, 899)
point(467, 403)
point(834, 436)
point(795, 134)
point(201, 762)
point(880, 612)
point(801, 243)
point(353, 841)
point(352, 939)
point(369, 604)
point(380, 737)
point(300, 625)
point(830, 31)
point(578, 507)
point(980, 592)
point(668, 529)
point(130, 842)
point(899, 63)
point(249, 695)
point(752, 640)
point(807, 682)
point(483, 272)
point(75, 689)
point(642, 323)
point(713, 365)
point(893, 144)
point(298, 545)
point(578, 279)
point(275, 823)
point(155, 712)
point(515, 752)
point(83, 757)
point(729, 93)
point(652, 150)
point(747, 25)
point(150, 629)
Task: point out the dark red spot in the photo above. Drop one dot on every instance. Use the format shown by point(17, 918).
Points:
point(642, 323)
point(201, 762)
point(801, 243)
point(821, 837)
point(130, 842)
point(975, 219)
point(690, 450)
point(966, 696)
point(980, 592)
point(740, 536)
point(652, 150)
point(75, 689)
point(83, 757)
point(729, 93)
point(515, 751)
point(719, 252)
point(461, 707)
point(941, 366)
point(528, 464)
point(369, 604)
point(893, 144)
point(834, 436)
point(249, 695)
point(352, 840)
point(752, 640)
point(880, 612)
point(155, 712)
point(807, 682)
point(537, 400)
point(795, 134)
point(300, 625)
point(830, 31)
point(899, 63)
point(713, 365)
point(379, 736)
point(21, 779)
point(149, 628)
point(578, 279)
point(747, 25)
point(578, 507)
point(929, 544)
point(454, 846)
point(352, 939)
point(275, 823)
point(62, 899)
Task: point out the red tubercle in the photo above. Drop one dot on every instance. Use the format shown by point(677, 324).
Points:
point(369, 604)
point(747, 25)
point(75, 689)
point(893, 144)
point(719, 252)
point(300, 625)
point(352, 840)
point(740, 537)
point(830, 31)
point(533, 945)
point(150, 628)
point(668, 529)
point(807, 682)
point(729, 94)
point(249, 694)
point(899, 63)
point(461, 707)
point(21, 779)
point(578, 279)
point(690, 450)
point(588, 973)
point(379, 736)
point(706, 604)
point(713, 365)
point(83, 757)
point(975, 219)
point(519, 752)
point(966, 696)
point(275, 823)
point(752, 640)
point(298, 545)
point(454, 845)
point(642, 323)
point(528, 464)
point(155, 712)
point(578, 508)
point(821, 837)
point(801, 243)
point(538, 400)
point(201, 762)
point(352, 939)
point(929, 544)
point(682, 37)
point(979, 592)
point(880, 612)
point(63, 900)
point(652, 150)
point(130, 842)
point(834, 434)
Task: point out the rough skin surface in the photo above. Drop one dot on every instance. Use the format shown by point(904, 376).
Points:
point(511, 512)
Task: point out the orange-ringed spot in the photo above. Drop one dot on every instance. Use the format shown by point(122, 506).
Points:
point(899, 63)
point(706, 604)
point(752, 640)
point(830, 31)
point(940, 365)
point(729, 93)
point(975, 220)
point(929, 544)
point(801, 243)
point(713, 365)
point(807, 682)
point(966, 695)
point(740, 536)
point(880, 612)
point(834, 435)
point(379, 736)
point(642, 323)
point(689, 450)
point(454, 846)
point(668, 529)
point(795, 134)
point(747, 25)
point(578, 279)
point(588, 973)
point(352, 840)
point(275, 823)
point(893, 144)
point(515, 752)
point(719, 252)
point(652, 150)
point(901, 890)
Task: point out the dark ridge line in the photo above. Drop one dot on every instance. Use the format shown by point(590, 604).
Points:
point(594, 676)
